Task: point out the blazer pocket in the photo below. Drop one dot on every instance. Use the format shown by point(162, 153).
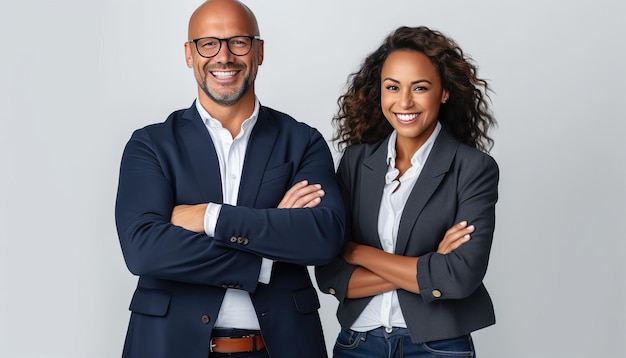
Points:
point(283, 170)
point(150, 302)
point(306, 300)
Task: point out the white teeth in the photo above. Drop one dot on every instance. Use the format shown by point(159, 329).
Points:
point(224, 74)
point(407, 116)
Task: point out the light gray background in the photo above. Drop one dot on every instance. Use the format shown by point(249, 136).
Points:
point(76, 77)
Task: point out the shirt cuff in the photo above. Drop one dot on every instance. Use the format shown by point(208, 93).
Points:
point(210, 221)
point(266, 271)
point(210, 218)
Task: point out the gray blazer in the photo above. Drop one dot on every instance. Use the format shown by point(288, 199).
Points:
point(457, 183)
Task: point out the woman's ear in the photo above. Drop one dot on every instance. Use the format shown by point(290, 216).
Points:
point(444, 96)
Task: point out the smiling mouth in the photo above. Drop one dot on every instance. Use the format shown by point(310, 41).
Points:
point(407, 117)
point(224, 74)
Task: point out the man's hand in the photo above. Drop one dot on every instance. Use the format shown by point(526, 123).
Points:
point(302, 195)
point(456, 236)
point(190, 217)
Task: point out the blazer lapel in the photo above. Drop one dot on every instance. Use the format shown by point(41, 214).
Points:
point(435, 168)
point(258, 152)
point(202, 156)
point(372, 178)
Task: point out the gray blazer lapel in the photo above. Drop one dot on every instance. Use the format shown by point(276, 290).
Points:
point(372, 179)
point(435, 168)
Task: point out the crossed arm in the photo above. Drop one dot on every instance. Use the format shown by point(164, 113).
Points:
point(154, 247)
point(380, 271)
point(301, 195)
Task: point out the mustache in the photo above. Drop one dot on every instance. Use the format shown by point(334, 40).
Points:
point(223, 67)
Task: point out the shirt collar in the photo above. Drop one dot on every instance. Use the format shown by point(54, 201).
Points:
point(245, 126)
point(420, 156)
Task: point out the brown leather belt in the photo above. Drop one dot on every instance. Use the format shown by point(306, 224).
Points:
point(251, 343)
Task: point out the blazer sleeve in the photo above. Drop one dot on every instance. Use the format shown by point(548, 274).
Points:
point(334, 277)
point(304, 236)
point(459, 273)
point(151, 245)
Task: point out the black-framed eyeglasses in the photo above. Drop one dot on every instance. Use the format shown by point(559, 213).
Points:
point(237, 45)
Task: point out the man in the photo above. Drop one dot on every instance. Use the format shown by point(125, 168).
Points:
point(221, 208)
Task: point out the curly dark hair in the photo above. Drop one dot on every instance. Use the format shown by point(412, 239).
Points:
point(466, 114)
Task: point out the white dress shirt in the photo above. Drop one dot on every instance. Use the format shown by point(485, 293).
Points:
point(384, 309)
point(237, 310)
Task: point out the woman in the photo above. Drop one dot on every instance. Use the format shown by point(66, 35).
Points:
point(414, 120)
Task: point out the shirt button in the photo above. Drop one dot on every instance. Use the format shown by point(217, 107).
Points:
point(233, 176)
point(436, 293)
point(205, 319)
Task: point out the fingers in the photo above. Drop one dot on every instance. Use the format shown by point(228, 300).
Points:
point(302, 195)
point(456, 236)
point(460, 228)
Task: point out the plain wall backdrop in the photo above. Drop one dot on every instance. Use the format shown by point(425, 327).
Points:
point(77, 77)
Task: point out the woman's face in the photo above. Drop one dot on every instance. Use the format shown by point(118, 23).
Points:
point(411, 94)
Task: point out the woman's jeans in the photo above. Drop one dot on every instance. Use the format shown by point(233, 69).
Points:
point(378, 343)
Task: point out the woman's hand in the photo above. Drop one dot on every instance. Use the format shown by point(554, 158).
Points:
point(349, 254)
point(456, 236)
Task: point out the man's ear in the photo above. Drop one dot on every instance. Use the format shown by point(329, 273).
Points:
point(260, 59)
point(188, 53)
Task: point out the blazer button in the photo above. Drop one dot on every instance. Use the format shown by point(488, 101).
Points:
point(205, 319)
point(233, 239)
point(436, 293)
point(240, 240)
point(331, 291)
point(245, 241)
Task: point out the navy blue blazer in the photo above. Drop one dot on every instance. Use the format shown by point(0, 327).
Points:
point(183, 275)
point(457, 183)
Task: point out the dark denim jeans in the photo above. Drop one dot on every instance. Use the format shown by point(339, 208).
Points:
point(378, 343)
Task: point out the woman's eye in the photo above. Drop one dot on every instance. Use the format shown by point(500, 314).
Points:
point(391, 88)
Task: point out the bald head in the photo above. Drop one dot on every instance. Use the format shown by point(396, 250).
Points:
point(229, 17)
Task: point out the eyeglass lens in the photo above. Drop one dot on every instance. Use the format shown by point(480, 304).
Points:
point(210, 46)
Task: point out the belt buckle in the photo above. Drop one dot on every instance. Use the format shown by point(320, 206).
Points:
point(213, 345)
point(252, 337)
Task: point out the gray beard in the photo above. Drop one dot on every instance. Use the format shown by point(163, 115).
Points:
point(231, 99)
